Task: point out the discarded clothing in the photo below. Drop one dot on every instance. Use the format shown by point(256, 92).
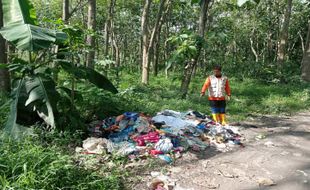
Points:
point(164, 145)
point(168, 132)
point(152, 137)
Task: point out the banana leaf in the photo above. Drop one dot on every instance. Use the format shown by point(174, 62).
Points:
point(37, 93)
point(29, 37)
point(89, 74)
point(20, 27)
point(12, 127)
point(18, 12)
point(42, 97)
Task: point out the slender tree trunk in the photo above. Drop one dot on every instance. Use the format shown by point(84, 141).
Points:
point(106, 37)
point(158, 24)
point(125, 51)
point(253, 50)
point(284, 34)
point(305, 64)
point(190, 66)
point(107, 26)
point(166, 45)
point(302, 42)
point(65, 10)
point(4, 74)
point(148, 46)
point(116, 50)
point(157, 37)
point(156, 54)
point(145, 44)
point(270, 49)
point(91, 25)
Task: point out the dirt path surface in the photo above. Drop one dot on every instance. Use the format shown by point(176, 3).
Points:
point(276, 156)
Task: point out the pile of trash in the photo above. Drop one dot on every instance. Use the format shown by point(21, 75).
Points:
point(165, 135)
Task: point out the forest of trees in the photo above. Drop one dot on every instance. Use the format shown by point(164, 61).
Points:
point(263, 39)
point(69, 67)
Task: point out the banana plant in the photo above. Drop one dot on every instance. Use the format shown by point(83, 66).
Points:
point(21, 29)
point(34, 89)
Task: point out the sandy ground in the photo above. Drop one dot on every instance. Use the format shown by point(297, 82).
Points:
point(280, 159)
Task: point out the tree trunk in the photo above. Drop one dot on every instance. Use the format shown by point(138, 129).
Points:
point(145, 44)
point(253, 50)
point(65, 10)
point(148, 46)
point(106, 37)
point(157, 37)
point(305, 64)
point(156, 54)
point(284, 34)
point(108, 25)
point(4, 74)
point(269, 45)
point(116, 50)
point(91, 25)
point(302, 42)
point(190, 66)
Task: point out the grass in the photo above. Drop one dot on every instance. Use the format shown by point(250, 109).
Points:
point(4, 108)
point(28, 164)
point(249, 97)
point(47, 162)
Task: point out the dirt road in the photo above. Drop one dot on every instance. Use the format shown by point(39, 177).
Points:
point(276, 156)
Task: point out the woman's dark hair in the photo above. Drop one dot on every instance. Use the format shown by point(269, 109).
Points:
point(217, 67)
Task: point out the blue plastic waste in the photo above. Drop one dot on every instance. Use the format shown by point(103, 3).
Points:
point(131, 115)
point(165, 158)
point(201, 127)
point(122, 135)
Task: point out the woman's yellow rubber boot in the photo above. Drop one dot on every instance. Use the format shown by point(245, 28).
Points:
point(223, 119)
point(216, 117)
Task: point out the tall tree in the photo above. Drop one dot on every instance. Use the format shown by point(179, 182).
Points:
point(156, 45)
point(65, 10)
point(150, 44)
point(306, 59)
point(191, 64)
point(108, 25)
point(284, 34)
point(91, 25)
point(4, 74)
point(145, 43)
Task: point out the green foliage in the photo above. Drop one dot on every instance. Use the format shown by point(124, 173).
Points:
point(252, 97)
point(42, 96)
point(89, 74)
point(35, 90)
point(18, 12)
point(187, 46)
point(29, 165)
point(20, 27)
point(18, 95)
point(29, 37)
point(4, 108)
point(249, 96)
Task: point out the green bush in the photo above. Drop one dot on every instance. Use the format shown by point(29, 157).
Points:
point(29, 165)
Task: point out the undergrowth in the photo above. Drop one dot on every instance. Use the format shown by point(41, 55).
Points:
point(46, 160)
point(249, 96)
point(27, 164)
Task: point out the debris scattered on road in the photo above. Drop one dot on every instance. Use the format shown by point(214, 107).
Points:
point(165, 136)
